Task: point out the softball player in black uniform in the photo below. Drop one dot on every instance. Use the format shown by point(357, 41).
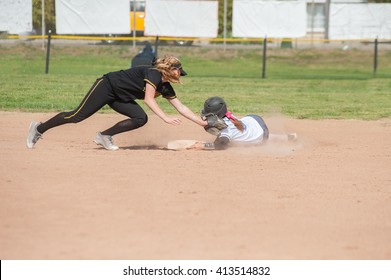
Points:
point(119, 90)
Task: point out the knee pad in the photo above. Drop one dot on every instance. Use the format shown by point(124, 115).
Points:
point(140, 121)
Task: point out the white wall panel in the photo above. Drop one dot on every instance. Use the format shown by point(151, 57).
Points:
point(16, 16)
point(92, 16)
point(181, 18)
point(276, 19)
point(360, 21)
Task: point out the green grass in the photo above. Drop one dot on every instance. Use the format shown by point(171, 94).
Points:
point(313, 84)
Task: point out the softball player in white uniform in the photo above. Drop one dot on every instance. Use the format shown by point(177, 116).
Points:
point(250, 129)
point(254, 130)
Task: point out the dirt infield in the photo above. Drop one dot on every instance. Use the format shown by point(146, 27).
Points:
point(327, 196)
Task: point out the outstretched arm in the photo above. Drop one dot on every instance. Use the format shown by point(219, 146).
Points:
point(221, 143)
point(152, 104)
point(186, 112)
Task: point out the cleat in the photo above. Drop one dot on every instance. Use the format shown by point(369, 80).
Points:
point(292, 137)
point(106, 141)
point(33, 135)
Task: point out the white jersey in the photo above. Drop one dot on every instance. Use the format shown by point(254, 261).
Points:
point(252, 133)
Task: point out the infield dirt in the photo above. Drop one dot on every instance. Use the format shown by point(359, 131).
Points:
point(326, 196)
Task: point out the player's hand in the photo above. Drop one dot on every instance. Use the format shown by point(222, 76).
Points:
point(173, 121)
point(197, 146)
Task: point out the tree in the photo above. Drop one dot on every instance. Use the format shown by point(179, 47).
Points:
point(221, 16)
point(50, 15)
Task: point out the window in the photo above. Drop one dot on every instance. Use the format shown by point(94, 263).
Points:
point(140, 6)
point(316, 17)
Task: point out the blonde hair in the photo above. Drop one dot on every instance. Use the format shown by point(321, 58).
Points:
point(165, 65)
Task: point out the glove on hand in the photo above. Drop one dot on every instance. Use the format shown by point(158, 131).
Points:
point(215, 124)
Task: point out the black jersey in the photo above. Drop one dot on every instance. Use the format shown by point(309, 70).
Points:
point(130, 84)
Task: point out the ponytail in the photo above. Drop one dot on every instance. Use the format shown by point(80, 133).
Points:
point(164, 65)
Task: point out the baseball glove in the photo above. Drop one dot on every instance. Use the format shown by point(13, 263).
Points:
point(215, 124)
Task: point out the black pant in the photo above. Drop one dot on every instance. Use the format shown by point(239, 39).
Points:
point(99, 95)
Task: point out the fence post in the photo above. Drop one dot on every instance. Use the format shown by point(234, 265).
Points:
point(375, 58)
point(156, 45)
point(48, 52)
point(134, 23)
point(264, 58)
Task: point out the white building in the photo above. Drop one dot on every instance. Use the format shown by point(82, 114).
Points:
point(317, 13)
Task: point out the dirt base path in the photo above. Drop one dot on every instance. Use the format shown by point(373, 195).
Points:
point(327, 196)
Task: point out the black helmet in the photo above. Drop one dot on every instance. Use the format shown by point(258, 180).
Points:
point(214, 105)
